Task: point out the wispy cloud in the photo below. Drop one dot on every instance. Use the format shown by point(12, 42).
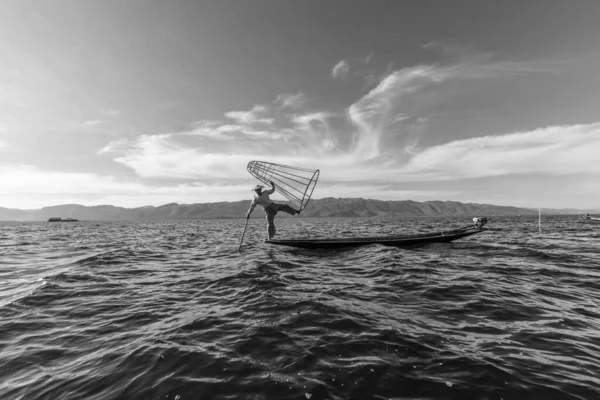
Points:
point(487, 63)
point(92, 123)
point(393, 106)
point(158, 156)
point(212, 129)
point(114, 146)
point(452, 49)
point(174, 156)
point(354, 66)
point(107, 127)
point(317, 125)
point(226, 131)
point(340, 70)
point(375, 113)
point(556, 150)
point(254, 116)
point(163, 157)
point(293, 101)
point(111, 112)
point(319, 116)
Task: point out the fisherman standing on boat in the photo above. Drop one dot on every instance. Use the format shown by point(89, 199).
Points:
point(271, 208)
point(479, 222)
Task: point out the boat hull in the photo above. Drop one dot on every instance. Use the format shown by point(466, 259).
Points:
point(396, 241)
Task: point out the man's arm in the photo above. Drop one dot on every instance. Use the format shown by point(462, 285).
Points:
point(272, 190)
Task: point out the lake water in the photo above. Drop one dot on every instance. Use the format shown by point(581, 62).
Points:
point(171, 310)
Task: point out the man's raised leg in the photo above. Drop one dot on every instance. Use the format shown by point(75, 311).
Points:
point(288, 209)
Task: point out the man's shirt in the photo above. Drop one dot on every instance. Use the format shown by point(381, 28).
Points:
point(263, 200)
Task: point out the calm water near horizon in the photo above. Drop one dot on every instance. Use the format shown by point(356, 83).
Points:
point(171, 310)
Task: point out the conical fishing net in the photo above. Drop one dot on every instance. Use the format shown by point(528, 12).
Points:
point(293, 183)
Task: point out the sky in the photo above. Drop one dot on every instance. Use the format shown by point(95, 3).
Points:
point(136, 103)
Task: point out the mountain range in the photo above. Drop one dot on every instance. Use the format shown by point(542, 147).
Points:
point(318, 208)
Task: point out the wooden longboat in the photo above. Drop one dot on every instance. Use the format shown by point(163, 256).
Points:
point(395, 240)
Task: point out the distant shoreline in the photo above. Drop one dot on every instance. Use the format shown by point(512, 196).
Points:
point(318, 208)
point(261, 218)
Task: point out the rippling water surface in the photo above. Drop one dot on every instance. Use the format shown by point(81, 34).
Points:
point(171, 310)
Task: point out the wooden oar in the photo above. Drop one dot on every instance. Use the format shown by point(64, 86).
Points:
point(244, 232)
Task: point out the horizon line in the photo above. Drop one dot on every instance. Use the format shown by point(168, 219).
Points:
point(329, 197)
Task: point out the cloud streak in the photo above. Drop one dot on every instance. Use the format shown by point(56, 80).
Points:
point(373, 114)
point(114, 146)
point(397, 106)
point(350, 67)
point(340, 70)
point(292, 101)
point(556, 150)
point(92, 123)
point(250, 117)
point(320, 116)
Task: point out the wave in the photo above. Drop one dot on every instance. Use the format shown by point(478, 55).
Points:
point(156, 310)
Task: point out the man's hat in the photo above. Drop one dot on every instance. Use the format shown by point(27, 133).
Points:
point(257, 187)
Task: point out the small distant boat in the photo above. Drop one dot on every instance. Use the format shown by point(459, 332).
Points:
point(396, 240)
point(59, 219)
point(588, 217)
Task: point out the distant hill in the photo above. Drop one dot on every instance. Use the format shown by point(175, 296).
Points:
point(321, 208)
point(12, 214)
